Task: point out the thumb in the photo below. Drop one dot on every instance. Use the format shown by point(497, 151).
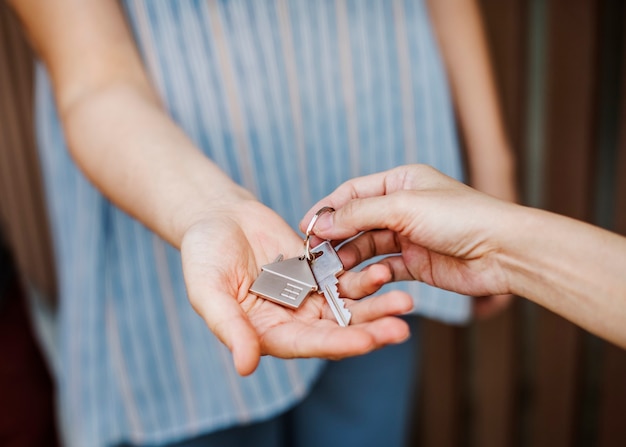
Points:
point(372, 213)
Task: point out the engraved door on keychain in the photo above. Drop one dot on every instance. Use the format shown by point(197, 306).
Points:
point(286, 282)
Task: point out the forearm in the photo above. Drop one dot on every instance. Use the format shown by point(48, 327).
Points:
point(116, 128)
point(137, 156)
point(459, 29)
point(572, 268)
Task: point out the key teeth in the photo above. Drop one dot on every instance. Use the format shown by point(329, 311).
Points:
point(345, 310)
point(342, 306)
point(337, 305)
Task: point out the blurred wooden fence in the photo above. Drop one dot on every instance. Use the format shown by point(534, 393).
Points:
point(23, 219)
point(528, 377)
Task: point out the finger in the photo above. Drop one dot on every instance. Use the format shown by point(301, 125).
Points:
point(399, 270)
point(406, 177)
point(366, 186)
point(327, 340)
point(227, 320)
point(395, 268)
point(387, 330)
point(388, 304)
point(356, 285)
point(367, 245)
point(379, 243)
point(392, 212)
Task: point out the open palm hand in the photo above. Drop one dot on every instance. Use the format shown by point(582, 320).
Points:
point(222, 256)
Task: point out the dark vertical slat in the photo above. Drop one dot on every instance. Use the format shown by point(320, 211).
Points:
point(611, 418)
point(22, 204)
point(506, 27)
point(570, 132)
point(600, 361)
point(495, 353)
point(557, 378)
point(619, 207)
point(569, 144)
point(612, 428)
point(440, 401)
point(494, 375)
point(11, 135)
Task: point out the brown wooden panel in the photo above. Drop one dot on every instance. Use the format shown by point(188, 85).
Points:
point(440, 401)
point(494, 381)
point(612, 413)
point(506, 28)
point(22, 207)
point(620, 175)
point(554, 413)
point(570, 127)
point(571, 89)
point(620, 170)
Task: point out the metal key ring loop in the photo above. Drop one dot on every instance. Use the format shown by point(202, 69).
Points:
point(309, 230)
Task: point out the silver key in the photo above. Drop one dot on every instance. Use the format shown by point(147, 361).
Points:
point(327, 267)
point(287, 282)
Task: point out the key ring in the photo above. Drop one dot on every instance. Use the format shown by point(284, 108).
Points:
point(309, 230)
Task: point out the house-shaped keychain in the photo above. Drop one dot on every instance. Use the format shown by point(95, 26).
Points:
point(286, 282)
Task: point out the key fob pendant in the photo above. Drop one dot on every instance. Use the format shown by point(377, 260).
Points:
point(287, 282)
point(325, 262)
point(327, 267)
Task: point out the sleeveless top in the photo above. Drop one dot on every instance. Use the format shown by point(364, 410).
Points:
point(290, 98)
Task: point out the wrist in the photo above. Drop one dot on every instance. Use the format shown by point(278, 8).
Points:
point(513, 237)
point(223, 201)
point(537, 252)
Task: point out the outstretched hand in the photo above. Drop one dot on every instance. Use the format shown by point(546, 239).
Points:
point(444, 233)
point(428, 224)
point(223, 254)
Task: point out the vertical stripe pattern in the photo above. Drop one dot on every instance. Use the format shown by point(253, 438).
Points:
point(290, 98)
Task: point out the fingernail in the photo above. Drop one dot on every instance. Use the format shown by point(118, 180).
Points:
point(324, 223)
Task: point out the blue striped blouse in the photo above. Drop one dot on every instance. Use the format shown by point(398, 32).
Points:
point(290, 98)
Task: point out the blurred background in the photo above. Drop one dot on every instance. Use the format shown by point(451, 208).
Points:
point(528, 377)
point(523, 378)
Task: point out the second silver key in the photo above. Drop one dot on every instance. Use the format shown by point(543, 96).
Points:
point(327, 267)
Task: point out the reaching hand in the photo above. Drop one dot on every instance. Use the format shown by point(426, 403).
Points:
point(444, 233)
point(223, 254)
point(435, 229)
